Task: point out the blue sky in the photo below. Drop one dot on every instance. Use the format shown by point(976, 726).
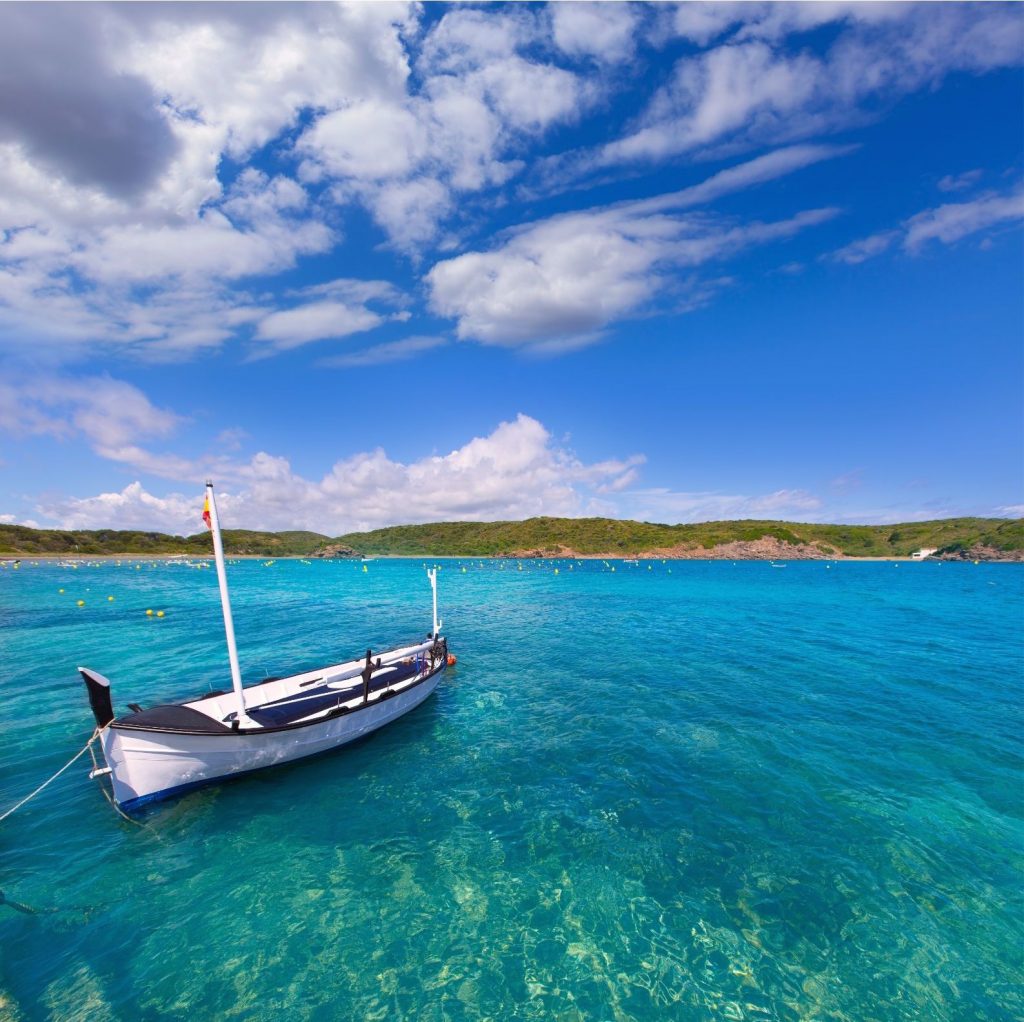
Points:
point(381, 263)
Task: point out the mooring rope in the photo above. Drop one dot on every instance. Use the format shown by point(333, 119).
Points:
point(106, 794)
point(28, 798)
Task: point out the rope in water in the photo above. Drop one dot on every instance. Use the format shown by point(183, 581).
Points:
point(28, 798)
point(117, 809)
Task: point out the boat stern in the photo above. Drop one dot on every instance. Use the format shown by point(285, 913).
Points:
point(100, 700)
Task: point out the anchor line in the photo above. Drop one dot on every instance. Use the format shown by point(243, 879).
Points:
point(117, 809)
point(28, 798)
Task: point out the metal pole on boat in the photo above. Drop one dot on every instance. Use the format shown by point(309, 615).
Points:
point(432, 575)
point(225, 602)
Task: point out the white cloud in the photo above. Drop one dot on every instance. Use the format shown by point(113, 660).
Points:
point(558, 283)
point(747, 91)
point(953, 221)
point(131, 508)
point(244, 74)
point(369, 140)
point(113, 417)
point(162, 290)
point(1011, 510)
point(482, 94)
point(958, 182)
point(338, 309)
point(603, 31)
point(947, 224)
point(392, 351)
point(515, 472)
point(745, 87)
point(109, 413)
point(699, 22)
point(865, 248)
point(91, 259)
point(313, 322)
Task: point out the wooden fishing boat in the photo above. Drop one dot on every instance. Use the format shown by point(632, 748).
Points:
point(164, 750)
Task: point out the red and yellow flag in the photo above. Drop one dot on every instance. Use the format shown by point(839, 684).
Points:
point(206, 513)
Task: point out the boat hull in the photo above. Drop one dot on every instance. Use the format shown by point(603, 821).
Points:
point(147, 766)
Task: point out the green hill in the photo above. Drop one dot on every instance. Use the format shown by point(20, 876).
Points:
point(613, 536)
point(976, 537)
point(19, 539)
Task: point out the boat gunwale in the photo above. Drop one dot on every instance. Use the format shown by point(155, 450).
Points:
point(118, 725)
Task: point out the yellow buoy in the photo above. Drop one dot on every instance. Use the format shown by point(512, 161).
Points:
point(110, 599)
point(556, 571)
point(60, 590)
point(159, 613)
point(149, 613)
point(81, 603)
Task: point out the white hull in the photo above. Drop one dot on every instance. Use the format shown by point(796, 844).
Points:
point(151, 764)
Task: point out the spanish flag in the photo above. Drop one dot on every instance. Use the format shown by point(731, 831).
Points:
point(206, 513)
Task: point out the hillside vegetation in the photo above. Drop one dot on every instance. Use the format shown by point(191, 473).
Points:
point(981, 537)
point(19, 539)
point(613, 536)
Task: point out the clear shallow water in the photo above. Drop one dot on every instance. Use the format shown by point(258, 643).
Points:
point(724, 792)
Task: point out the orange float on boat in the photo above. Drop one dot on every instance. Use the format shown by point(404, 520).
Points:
point(452, 660)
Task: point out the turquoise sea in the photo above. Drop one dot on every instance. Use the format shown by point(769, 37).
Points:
point(670, 791)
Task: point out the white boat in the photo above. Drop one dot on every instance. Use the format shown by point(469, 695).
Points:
point(162, 751)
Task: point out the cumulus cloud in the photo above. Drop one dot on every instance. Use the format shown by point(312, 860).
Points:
point(604, 32)
point(130, 508)
point(517, 471)
point(150, 263)
point(482, 92)
point(161, 289)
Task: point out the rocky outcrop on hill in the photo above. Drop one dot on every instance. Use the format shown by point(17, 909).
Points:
point(336, 550)
point(556, 551)
point(767, 548)
point(980, 552)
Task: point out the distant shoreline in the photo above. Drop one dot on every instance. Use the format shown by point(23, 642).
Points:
point(144, 558)
point(981, 539)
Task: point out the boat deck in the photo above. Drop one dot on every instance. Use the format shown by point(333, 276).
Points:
point(284, 702)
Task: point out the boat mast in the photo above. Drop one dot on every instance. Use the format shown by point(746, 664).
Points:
point(432, 575)
point(225, 602)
